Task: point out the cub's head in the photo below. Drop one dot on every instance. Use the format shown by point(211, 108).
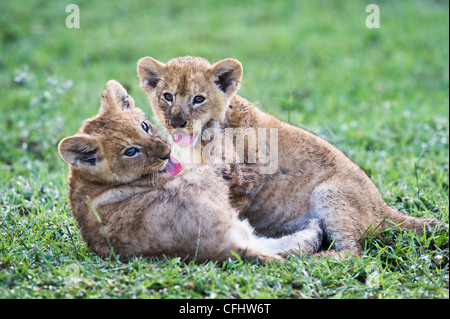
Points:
point(119, 144)
point(188, 92)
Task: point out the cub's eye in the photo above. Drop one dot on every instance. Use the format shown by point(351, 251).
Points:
point(168, 97)
point(132, 151)
point(198, 99)
point(145, 126)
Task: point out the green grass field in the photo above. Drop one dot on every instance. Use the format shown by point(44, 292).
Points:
point(380, 95)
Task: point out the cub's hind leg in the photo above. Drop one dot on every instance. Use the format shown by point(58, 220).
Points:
point(343, 224)
point(351, 209)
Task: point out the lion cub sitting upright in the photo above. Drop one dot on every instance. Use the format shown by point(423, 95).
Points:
point(122, 169)
point(312, 178)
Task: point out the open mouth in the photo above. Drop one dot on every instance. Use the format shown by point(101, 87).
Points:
point(173, 166)
point(183, 140)
point(188, 139)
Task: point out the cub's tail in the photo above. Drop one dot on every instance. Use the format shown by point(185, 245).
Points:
point(398, 220)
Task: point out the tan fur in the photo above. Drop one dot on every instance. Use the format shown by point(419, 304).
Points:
point(313, 180)
point(143, 210)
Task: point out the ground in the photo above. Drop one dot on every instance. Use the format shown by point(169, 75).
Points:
point(380, 95)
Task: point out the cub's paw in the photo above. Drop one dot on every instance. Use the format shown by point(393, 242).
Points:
point(306, 241)
point(243, 179)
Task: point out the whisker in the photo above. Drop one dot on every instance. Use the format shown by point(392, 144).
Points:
point(150, 178)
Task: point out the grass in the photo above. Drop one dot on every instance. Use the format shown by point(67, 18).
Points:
point(380, 95)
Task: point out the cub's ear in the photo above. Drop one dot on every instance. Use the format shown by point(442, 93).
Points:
point(79, 150)
point(149, 71)
point(115, 97)
point(227, 74)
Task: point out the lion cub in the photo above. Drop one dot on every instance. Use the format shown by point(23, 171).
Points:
point(121, 169)
point(313, 179)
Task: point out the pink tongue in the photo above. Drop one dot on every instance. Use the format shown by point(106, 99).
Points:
point(173, 166)
point(183, 140)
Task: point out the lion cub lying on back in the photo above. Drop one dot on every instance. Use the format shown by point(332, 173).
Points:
point(121, 162)
point(312, 178)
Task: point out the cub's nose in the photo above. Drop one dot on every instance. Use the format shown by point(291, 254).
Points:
point(166, 157)
point(178, 122)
